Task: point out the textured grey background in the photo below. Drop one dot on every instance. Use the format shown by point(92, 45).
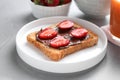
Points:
point(16, 13)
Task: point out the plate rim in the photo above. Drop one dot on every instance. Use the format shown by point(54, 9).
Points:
point(47, 61)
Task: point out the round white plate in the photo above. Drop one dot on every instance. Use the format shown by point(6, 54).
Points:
point(115, 40)
point(78, 61)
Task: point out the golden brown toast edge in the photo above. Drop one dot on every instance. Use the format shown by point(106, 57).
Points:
point(58, 54)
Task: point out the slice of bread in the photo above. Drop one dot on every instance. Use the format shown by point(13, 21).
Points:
point(58, 54)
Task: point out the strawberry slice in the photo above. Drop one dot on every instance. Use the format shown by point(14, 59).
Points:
point(79, 33)
point(47, 33)
point(66, 24)
point(59, 41)
point(52, 2)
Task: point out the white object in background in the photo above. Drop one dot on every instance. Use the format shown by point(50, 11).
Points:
point(40, 11)
point(94, 8)
point(111, 38)
point(78, 61)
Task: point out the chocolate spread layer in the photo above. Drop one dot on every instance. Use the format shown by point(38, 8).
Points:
point(66, 34)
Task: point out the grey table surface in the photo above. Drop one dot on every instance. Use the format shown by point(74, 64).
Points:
point(16, 13)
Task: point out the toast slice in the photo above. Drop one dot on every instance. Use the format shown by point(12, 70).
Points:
point(58, 54)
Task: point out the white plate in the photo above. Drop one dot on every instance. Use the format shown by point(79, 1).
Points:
point(115, 40)
point(78, 61)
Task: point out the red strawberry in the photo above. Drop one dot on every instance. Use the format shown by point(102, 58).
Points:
point(66, 1)
point(47, 33)
point(79, 33)
point(52, 2)
point(59, 41)
point(42, 2)
point(66, 24)
point(32, 0)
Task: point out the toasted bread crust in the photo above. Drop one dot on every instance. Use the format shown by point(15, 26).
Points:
point(58, 54)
